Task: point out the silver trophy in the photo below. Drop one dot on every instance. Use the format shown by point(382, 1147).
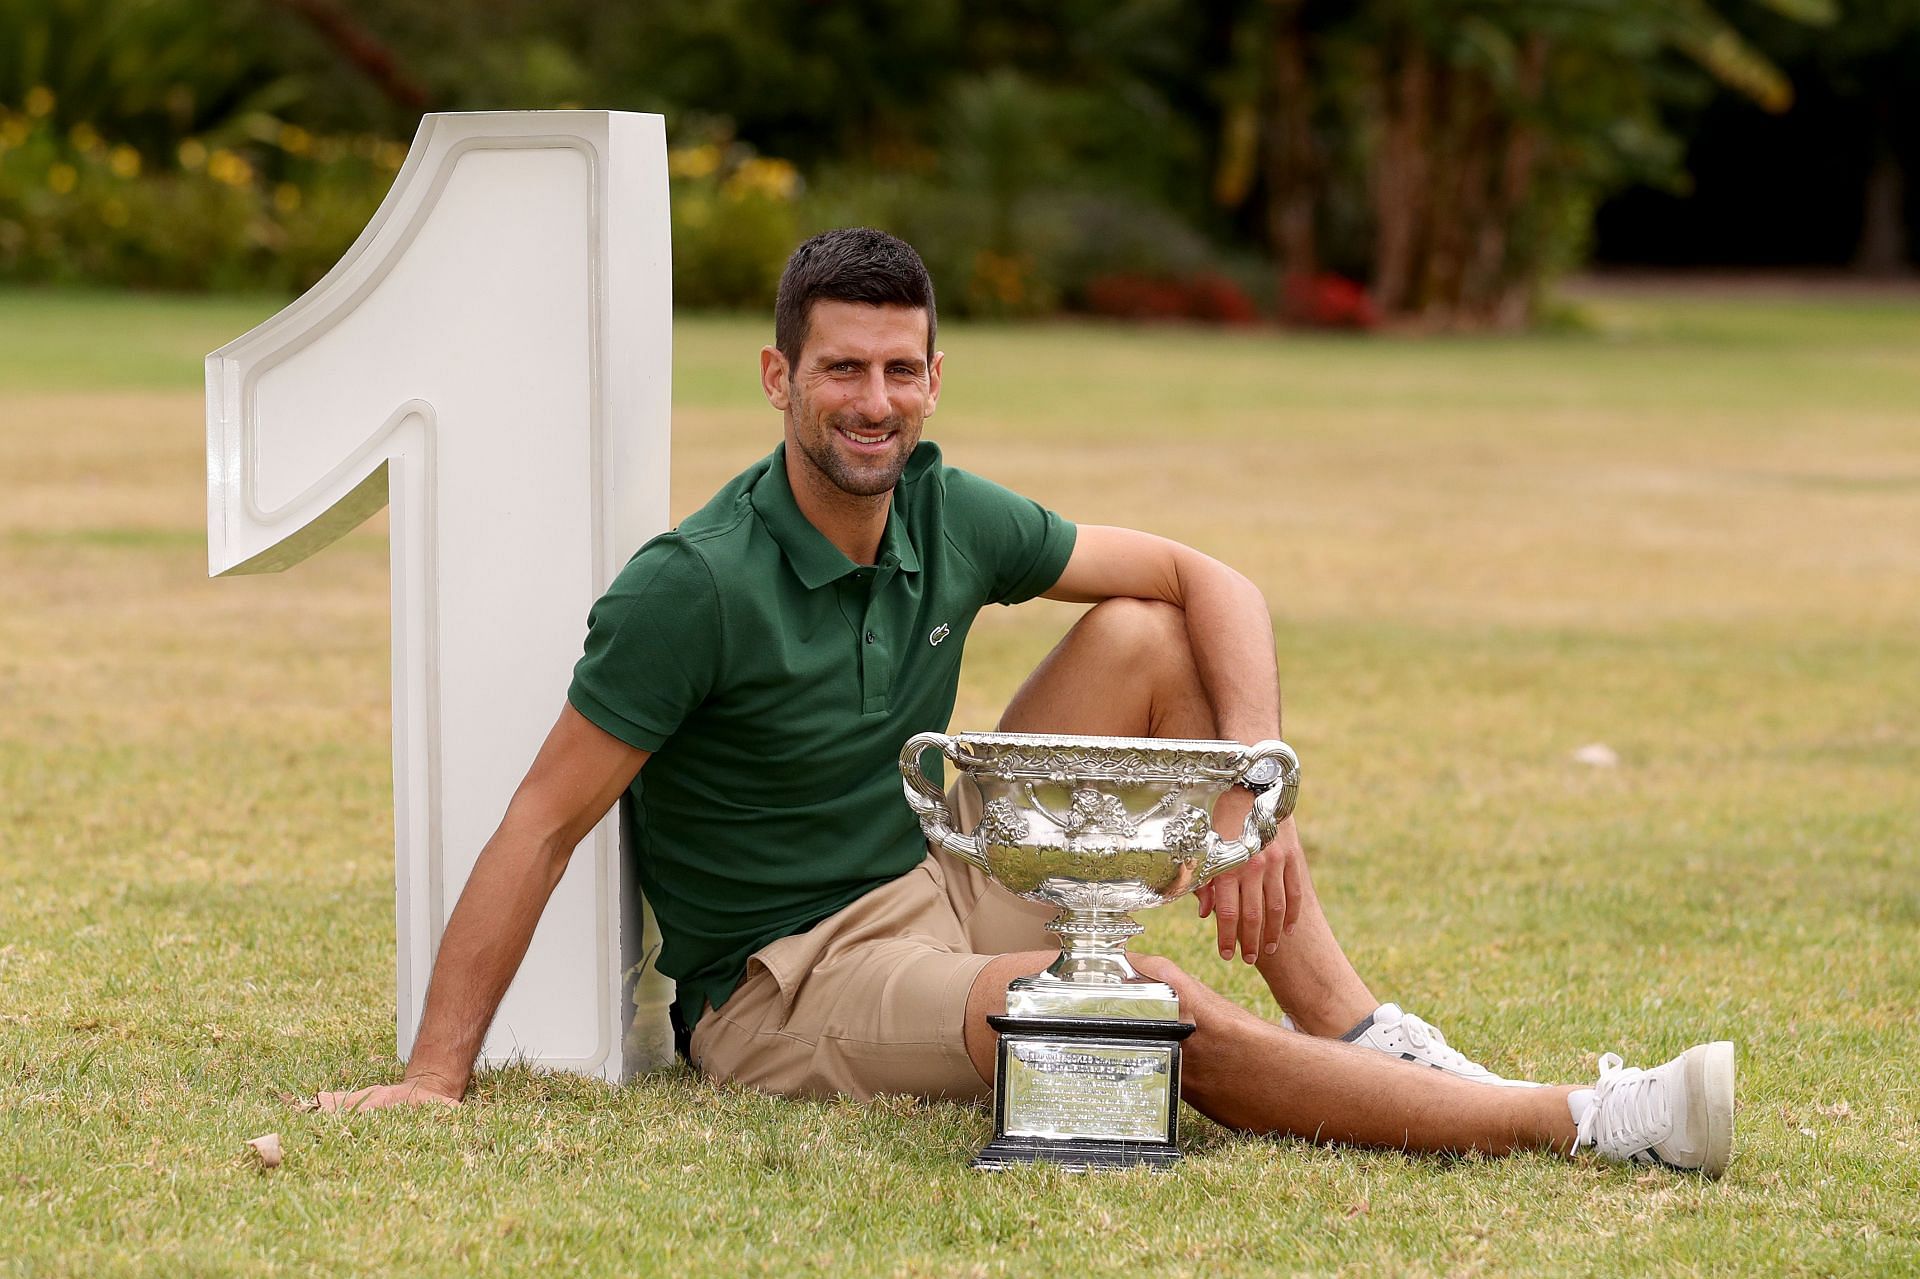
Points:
point(1088, 1071)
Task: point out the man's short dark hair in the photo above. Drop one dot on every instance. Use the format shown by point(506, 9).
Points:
point(855, 264)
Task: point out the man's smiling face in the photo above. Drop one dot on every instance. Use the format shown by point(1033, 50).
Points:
point(859, 392)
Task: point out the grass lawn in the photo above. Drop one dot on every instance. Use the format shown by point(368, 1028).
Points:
point(1693, 534)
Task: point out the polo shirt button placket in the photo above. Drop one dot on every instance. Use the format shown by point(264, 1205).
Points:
point(876, 675)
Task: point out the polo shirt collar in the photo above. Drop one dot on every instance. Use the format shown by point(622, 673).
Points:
point(814, 559)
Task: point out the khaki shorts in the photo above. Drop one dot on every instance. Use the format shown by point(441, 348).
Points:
point(873, 999)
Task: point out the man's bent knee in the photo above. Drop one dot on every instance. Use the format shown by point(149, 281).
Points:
point(1145, 626)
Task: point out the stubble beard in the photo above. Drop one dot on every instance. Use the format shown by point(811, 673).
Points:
point(839, 470)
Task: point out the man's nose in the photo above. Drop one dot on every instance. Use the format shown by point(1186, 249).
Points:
point(873, 403)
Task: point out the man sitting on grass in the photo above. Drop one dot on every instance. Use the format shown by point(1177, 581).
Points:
point(750, 678)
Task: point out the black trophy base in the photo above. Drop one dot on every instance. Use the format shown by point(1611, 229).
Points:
point(1075, 1154)
point(1085, 1093)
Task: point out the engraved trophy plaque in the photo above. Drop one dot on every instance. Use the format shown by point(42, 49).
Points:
point(1088, 1068)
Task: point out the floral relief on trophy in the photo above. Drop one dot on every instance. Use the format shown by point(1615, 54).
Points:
point(1003, 825)
point(1188, 833)
point(1096, 820)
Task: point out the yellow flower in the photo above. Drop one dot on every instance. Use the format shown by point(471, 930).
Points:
point(295, 140)
point(15, 130)
point(125, 162)
point(225, 166)
point(85, 138)
point(193, 153)
point(764, 176)
point(39, 100)
point(62, 178)
point(286, 197)
point(693, 162)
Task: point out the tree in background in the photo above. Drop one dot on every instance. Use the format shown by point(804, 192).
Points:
point(1452, 152)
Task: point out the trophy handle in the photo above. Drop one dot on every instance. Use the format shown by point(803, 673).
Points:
point(929, 803)
point(1271, 807)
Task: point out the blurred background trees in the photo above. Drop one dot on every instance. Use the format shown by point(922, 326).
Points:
point(1432, 162)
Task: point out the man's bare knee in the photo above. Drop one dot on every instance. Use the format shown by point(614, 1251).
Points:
point(1126, 669)
point(1135, 626)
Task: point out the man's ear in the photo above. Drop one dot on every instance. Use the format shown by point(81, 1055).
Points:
point(933, 381)
point(774, 375)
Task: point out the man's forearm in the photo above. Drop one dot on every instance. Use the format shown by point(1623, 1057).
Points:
point(1231, 635)
point(485, 940)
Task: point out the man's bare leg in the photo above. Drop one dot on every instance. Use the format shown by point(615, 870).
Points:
point(1126, 670)
point(1252, 1075)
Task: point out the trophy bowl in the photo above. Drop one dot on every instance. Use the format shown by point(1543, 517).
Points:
point(1098, 827)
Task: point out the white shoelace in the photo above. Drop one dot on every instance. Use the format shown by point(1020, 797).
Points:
point(1423, 1036)
point(1628, 1106)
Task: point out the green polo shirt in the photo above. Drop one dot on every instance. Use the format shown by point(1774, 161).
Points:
point(774, 680)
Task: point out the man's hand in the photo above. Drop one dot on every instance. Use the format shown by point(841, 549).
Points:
point(1254, 904)
point(408, 1092)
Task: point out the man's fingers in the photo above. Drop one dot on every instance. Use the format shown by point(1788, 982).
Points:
point(333, 1103)
point(1203, 897)
point(1226, 914)
point(380, 1097)
point(1279, 901)
point(1252, 911)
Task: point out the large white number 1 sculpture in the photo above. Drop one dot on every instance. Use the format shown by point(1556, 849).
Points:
point(491, 357)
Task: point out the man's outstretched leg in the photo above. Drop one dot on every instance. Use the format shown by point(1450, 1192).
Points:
point(1248, 1074)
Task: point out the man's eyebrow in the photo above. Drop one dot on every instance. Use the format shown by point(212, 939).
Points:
point(829, 361)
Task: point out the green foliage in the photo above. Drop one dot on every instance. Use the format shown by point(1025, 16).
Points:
point(145, 72)
point(734, 223)
point(1009, 212)
point(75, 208)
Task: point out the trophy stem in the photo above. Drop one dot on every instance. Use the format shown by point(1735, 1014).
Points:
point(1093, 947)
point(1092, 976)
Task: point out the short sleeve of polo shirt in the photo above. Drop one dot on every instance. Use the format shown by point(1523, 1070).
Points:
point(1020, 546)
point(653, 646)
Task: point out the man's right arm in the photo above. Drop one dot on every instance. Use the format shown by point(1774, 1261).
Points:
point(579, 773)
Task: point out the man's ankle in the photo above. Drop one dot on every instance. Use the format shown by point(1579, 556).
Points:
point(1328, 1021)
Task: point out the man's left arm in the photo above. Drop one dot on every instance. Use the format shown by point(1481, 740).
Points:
point(1231, 635)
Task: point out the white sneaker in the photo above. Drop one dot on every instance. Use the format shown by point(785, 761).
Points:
point(1401, 1034)
point(1679, 1114)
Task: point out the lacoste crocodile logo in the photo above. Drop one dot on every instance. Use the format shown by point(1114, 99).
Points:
point(940, 632)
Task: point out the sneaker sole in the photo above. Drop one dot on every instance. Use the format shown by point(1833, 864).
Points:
point(1710, 1101)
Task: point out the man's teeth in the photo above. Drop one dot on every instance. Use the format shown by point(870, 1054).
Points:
point(865, 439)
